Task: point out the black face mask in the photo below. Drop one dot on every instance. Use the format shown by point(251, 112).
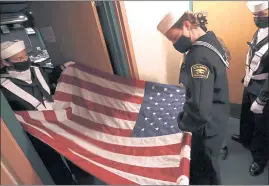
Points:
point(183, 44)
point(261, 22)
point(21, 66)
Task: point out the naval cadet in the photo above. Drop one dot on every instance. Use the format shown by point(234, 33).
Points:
point(27, 87)
point(202, 18)
point(254, 111)
point(206, 110)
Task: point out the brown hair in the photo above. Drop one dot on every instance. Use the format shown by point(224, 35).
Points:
point(225, 48)
point(187, 16)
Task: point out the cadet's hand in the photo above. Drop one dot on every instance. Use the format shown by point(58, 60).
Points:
point(180, 116)
point(69, 63)
point(63, 66)
point(257, 108)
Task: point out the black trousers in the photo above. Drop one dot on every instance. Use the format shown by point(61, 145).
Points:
point(53, 162)
point(204, 159)
point(254, 129)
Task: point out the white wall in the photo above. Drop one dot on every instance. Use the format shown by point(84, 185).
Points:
point(156, 58)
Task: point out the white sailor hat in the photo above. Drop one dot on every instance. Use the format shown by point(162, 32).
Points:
point(10, 48)
point(169, 20)
point(257, 6)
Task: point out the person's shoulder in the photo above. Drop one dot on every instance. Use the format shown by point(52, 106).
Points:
point(198, 54)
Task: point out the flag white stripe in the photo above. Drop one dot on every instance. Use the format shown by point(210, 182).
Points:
point(99, 99)
point(132, 177)
point(143, 161)
point(58, 105)
point(103, 119)
point(35, 127)
point(118, 140)
point(124, 141)
point(104, 82)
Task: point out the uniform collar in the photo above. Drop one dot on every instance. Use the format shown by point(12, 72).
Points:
point(262, 34)
point(25, 76)
point(212, 39)
point(209, 36)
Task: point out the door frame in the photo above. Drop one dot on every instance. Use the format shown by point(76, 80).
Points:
point(15, 167)
point(22, 148)
point(125, 34)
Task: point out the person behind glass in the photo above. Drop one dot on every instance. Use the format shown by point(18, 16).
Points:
point(27, 87)
point(254, 111)
point(206, 110)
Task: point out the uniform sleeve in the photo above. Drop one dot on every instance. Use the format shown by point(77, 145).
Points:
point(263, 97)
point(55, 74)
point(197, 108)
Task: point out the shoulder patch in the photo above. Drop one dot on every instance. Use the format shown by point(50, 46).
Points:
point(199, 71)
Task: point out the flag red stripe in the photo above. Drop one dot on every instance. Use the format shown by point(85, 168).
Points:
point(111, 77)
point(74, 81)
point(185, 164)
point(102, 174)
point(167, 174)
point(135, 151)
point(108, 111)
point(187, 139)
point(101, 127)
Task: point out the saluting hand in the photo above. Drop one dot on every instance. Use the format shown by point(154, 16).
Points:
point(257, 108)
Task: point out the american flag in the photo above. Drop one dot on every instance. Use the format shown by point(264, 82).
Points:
point(123, 131)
